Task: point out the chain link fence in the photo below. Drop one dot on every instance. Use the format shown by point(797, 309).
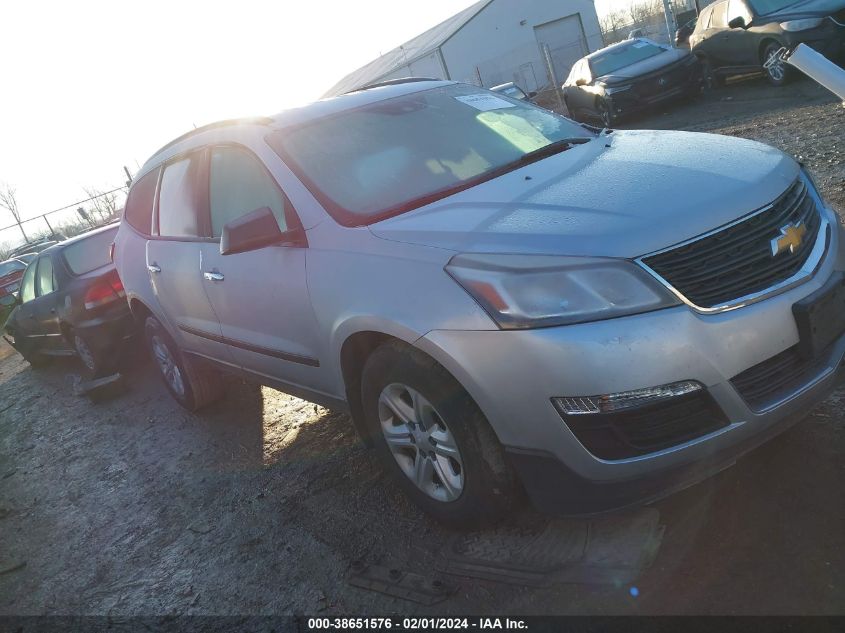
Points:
point(76, 218)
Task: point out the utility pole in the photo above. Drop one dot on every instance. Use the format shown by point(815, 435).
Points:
point(670, 21)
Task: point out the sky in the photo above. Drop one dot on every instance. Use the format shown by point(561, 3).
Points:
point(90, 86)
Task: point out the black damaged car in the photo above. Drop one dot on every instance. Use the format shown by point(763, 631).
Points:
point(734, 37)
point(628, 77)
point(71, 302)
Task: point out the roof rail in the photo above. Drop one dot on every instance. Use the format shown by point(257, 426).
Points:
point(393, 82)
point(255, 120)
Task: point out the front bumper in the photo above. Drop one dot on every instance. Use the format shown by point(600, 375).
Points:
point(513, 375)
point(643, 95)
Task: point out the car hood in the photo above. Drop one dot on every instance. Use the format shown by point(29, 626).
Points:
point(646, 66)
point(810, 8)
point(623, 194)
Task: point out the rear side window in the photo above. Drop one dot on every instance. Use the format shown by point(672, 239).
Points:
point(179, 199)
point(139, 204)
point(46, 280)
point(28, 284)
point(240, 184)
point(720, 20)
point(89, 253)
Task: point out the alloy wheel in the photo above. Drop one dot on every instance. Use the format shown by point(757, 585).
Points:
point(167, 366)
point(420, 442)
point(774, 65)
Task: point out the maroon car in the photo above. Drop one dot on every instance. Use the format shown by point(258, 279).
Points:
point(11, 272)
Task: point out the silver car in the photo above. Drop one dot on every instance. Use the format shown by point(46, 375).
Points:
point(503, 299)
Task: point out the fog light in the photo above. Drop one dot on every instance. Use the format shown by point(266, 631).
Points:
point(613, 402)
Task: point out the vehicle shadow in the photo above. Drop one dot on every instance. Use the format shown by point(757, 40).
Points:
point(203, 512)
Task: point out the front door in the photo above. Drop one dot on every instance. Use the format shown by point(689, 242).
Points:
point(261, 296)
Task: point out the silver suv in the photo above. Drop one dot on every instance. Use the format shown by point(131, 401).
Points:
point(502, 299)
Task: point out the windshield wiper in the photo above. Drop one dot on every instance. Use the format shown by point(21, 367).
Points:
point(550, 150)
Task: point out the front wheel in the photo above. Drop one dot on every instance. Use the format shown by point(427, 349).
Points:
point(434, 439)
point(191, 384)
point(777, 72)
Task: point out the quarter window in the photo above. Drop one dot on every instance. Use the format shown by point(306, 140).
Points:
point(28, 284)
point(46, 281)
point(179, 199)
point(719, 19)
point(139, 204)
point(240, 184)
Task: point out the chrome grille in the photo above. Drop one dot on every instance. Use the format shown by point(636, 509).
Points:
point(737, 261)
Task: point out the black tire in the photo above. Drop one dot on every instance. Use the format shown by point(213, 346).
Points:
point(488, 488)
point(200, 385)
point(781, 73)
point(96, 361)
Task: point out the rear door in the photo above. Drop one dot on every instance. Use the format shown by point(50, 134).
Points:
point(174, 256)
point(741, 45)
point(719, 36)
point(46, 306)
point(260, 296)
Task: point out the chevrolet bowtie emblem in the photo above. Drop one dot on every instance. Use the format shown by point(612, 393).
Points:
point(790, 238)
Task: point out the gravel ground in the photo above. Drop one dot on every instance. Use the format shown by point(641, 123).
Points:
point(134, 506)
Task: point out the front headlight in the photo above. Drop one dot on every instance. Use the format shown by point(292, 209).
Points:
point(527, 291)
point(801, 25)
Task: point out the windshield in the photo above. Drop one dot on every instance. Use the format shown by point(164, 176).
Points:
point(764, 7)
point(89, 253)
point(8, 267)
point(619, 57)
point(393, 155)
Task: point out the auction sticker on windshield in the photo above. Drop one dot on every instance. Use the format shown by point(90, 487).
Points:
point(484, 102)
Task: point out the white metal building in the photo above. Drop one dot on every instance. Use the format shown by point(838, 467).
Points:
point(492, 42)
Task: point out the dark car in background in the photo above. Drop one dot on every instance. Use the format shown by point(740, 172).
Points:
point(628, 77)
point(34, 247)
point(72, 302)
point(513, 91)
point(11, 272)
point(736, 37)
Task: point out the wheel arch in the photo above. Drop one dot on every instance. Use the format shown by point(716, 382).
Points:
point(358, 346)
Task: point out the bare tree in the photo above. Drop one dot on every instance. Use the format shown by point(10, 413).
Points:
point(103, 205)
point(612, 22)
point(9, 201)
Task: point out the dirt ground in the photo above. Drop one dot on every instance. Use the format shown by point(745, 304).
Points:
point(262, 505)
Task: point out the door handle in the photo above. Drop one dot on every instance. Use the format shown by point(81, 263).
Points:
point(154, 268)
point(213, 276)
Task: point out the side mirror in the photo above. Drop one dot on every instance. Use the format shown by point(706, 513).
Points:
point(580, 82)
point(255, 230)
point(737, 23)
